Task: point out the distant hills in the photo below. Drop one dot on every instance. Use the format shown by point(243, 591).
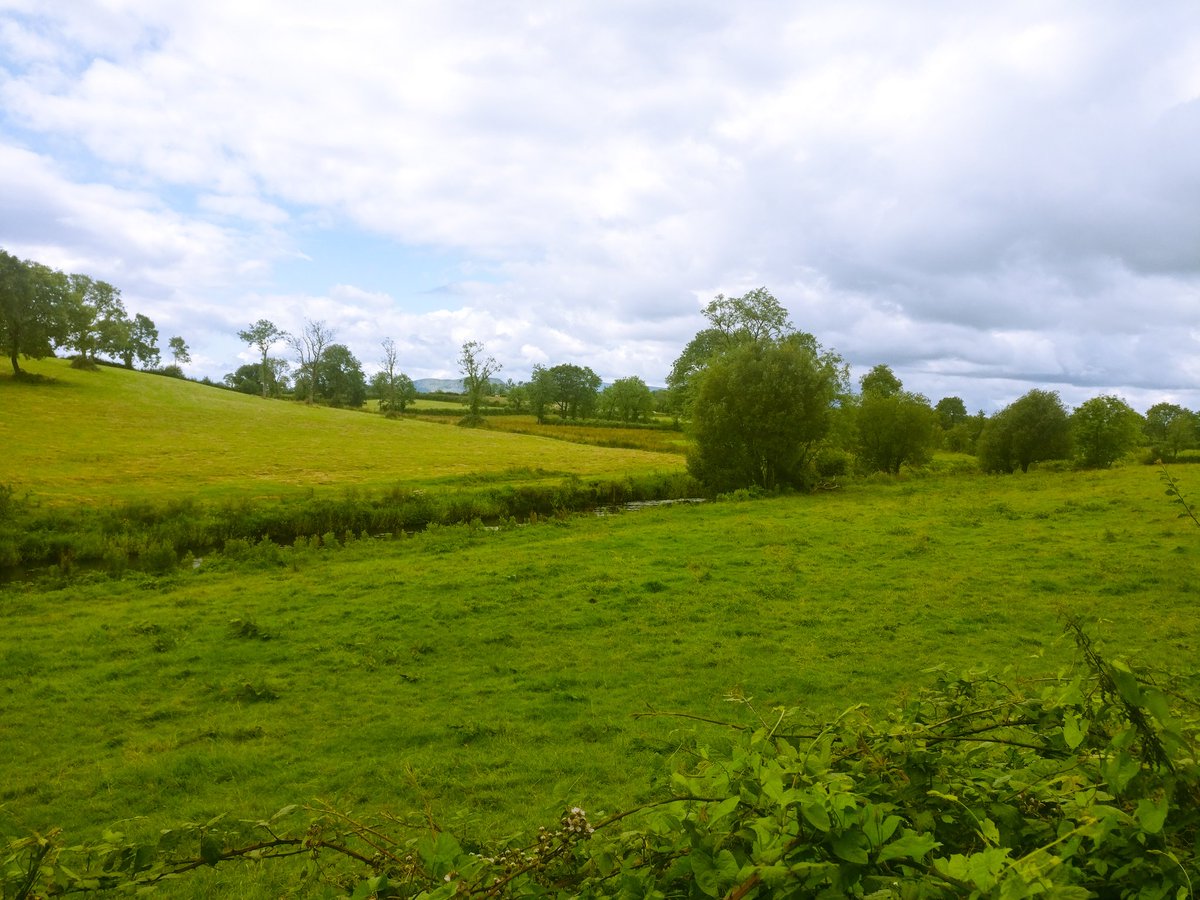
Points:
point(432, 385)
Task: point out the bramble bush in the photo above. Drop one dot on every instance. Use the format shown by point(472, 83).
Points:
point(1086, 784)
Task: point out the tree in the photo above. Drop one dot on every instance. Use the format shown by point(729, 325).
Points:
point(310, 345)
point(881, 381)
point(477, 370)
point(1170, 429)
point(964, 437)
point(394, 389)
point(141, 343)
point(1104, 429)
point(246, 379)
point(517, 395)
point(894, 426)
point(263, 334)
point(627, 399)
point(340, 381)
point(179, 351)
point(573, 389)
point(31, 309)
point(95, 316)
point(760, 410)
point(755, 317)
point(951, 412)
point(1028, 430)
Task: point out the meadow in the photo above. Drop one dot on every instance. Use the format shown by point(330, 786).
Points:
point(113, 434)
point(488, 677)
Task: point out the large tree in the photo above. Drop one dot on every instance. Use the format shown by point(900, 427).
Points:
point(1031, 429)
point(141, 343)
point(952, 412)
point(310, 345)
point(894, 426)
point(627, 399)
point(572, 389)
point(477, 369)
point(755, 317)
point(1171, 428)
point(263, 335)
point(760, 410)
point(340, 381)
point(31, 309)
point(95, 318)
point(1103, 429)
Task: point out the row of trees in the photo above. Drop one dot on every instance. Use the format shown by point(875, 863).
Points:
point(770, 407)
point(329, 372)
point(43, 310)
point(767, 405)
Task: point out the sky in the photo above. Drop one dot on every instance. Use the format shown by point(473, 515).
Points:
point(988, 197)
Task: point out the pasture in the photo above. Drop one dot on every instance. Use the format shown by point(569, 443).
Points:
point(490, 677)
point(113, 434)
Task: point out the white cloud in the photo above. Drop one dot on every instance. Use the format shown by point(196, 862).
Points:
point(977, 195)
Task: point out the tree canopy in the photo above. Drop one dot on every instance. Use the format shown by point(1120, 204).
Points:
point(1034, 428)
point(760, 411)
point(477, 369)
point(755, 317)
point(32, 316)
point(627, 399)
point(572, 390)
point(894, 427)
point(1103, 429)
point(263, 335)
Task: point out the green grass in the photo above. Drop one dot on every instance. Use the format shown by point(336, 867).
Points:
point(115, 434)
point(495, 675)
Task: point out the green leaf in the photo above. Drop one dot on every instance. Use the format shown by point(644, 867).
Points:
point(851, 846)
point(1151, 814)
point(910, 845)
point(704, 870)
point(722, 809)
point(1127, 683)
point(990, 832)
point(1072, 732)
point(210, 850)
point(815, 814)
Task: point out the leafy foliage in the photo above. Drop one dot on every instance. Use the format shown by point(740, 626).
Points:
point(572, 390)
point(1080, 785)
point(1103, 430)
point(756, 317)
point(32, 316)
point(627, 399)
point(894, 427)
point(760, 412)
point(1171, 429)
point(1029, 430)
point(477, 370)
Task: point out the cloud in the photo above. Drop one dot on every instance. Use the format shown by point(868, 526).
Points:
point(980, 196)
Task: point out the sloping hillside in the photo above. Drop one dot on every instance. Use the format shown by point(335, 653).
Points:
point(112, 433)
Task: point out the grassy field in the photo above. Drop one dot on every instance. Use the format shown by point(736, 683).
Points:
point(658, 440)
point(116, 434)
point(494, 676)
